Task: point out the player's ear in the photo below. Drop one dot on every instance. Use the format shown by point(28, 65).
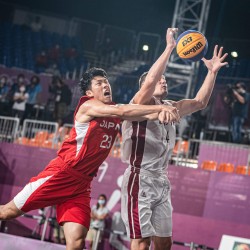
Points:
point(89, 93)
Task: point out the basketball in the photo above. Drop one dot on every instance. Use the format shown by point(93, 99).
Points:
point(191, 45)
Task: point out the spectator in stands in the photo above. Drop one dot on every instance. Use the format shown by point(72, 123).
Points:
point(41, 61)
point(242, 246)
point(199, 120)
point(71, 53)
point(15, 87)
point(99, 213)
point(4, 90)
point(34, 90)
point(71, 56)
point(36, 25)
point(50, 105)
point(53, 70)
point(106, 52)
point(20, 98)
point(239, 110)
point(63, 97)
point(55, 53)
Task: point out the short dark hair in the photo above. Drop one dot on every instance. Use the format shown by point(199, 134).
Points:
point(85, 81)
point(242, 84)
point(142, 78)
point(35, 77)
point(20, 75)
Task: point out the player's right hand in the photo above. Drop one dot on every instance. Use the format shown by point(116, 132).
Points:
point(169, 114)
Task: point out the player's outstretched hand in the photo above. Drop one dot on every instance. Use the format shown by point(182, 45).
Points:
point(217, 60)
point(170, 37)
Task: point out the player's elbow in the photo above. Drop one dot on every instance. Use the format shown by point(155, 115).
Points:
point(200, 104)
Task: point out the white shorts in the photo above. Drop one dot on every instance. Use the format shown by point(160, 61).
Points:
point(146, 204)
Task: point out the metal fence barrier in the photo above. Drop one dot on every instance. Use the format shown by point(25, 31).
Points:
point(33, 132)
point(39, 133)
point(8, 128)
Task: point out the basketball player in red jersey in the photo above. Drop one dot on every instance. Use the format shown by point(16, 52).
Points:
point(66, 181)
point(146, 148)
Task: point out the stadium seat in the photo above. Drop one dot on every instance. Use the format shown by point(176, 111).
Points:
point(47, 144)
point(33, 142)
point(242, 170)
point(23, 141)
point(226, 167)
point(209, 165)
point(41, 136)
point(181, 147)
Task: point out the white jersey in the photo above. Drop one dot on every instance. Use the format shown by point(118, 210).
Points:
point(148, 144)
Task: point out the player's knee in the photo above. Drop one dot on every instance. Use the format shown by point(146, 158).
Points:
point(76, 244)
point(8, 212)
point(168, 244)
point(163, 243)
point(3, 214)
point(141, 244)
point(145, 244)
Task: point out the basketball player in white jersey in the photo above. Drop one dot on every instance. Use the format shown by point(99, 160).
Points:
point(146, 148)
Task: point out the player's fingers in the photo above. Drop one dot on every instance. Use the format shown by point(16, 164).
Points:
point(176, 115)
point(223, 57)
point(174, 30)
point(173, 116)
point(225, 63)
point(215, 50)
point(220, 52)
point(160, 117)
point(204, 59)
point(166, 117)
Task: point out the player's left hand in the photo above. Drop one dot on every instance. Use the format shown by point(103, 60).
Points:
point(216, 62)
point(170, 37)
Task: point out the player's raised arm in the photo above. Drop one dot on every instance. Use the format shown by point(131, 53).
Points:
point(94, 108)
point(144, 95)
point(188, 106)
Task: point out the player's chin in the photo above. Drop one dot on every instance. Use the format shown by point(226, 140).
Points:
point(107, 99)
point(164, 93)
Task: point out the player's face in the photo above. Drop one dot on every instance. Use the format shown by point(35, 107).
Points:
point(100, 89)
point(161, 88)
point(240, 89)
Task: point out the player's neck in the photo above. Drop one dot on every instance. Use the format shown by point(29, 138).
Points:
point(159, 98)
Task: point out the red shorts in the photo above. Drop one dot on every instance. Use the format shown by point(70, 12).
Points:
point(62, 186)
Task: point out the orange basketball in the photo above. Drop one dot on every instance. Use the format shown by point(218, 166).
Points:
point(191, 45)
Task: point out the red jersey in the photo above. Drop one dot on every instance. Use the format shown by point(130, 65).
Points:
point(89, 143)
